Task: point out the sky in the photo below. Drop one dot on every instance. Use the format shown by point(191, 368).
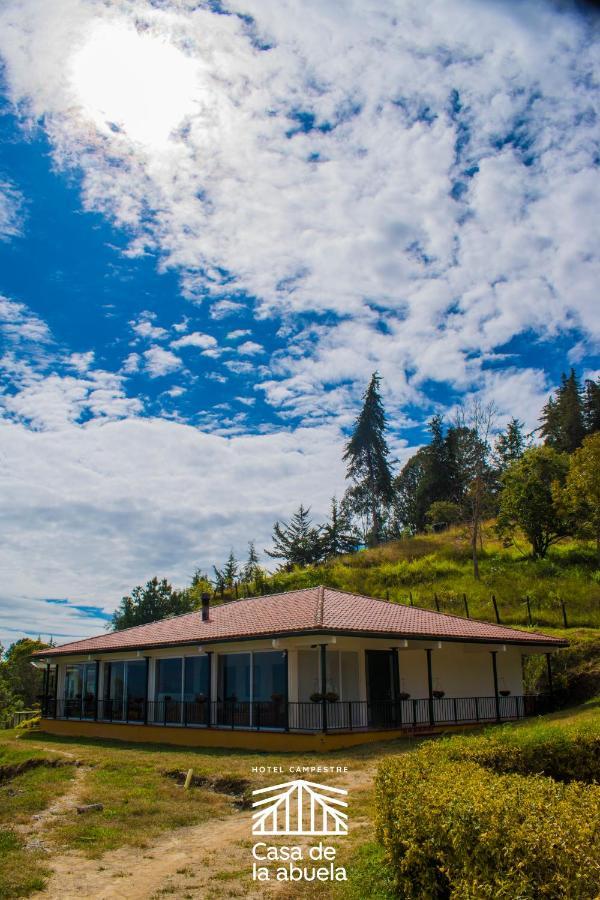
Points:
point(217, 219)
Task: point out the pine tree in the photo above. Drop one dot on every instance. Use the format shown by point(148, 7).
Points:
point(251, 566)
point(591, 406)
point(230, 572)
point(297, 543)
point(510, 445)
point(563, 426)
point(368, 468)
point(150, 602)
point(338, 535)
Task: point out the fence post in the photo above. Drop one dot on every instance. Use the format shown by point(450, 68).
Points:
point(466, 606)
point(410, 597)
point(564, 613)
point(496, 609)
point(437, 602)
point(527, 601)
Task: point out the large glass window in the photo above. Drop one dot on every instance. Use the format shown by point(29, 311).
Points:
point(169, 684)
point(196, 690)
point(80, 690)
point(268, 676)
point(125, 690)
point(234, 677)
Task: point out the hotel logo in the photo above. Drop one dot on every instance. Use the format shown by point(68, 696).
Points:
point(300, 807)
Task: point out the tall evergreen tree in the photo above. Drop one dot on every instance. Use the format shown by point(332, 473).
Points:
point(563, 424)
point(297, 543)
point(510, 445)
point(410, 500)
point(338, 535)
point(368, 467)
point(230, 572)
point(155, 600)
point(251, 566)
point(591, 406)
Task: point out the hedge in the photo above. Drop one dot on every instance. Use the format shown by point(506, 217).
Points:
point(565, 754)
point(457, 830)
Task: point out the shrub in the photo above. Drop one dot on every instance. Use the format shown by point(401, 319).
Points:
point(457, 830)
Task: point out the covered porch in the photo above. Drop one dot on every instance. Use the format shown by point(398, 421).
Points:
point(322, 683)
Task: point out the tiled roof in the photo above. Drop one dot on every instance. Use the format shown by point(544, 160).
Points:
point(304, 611)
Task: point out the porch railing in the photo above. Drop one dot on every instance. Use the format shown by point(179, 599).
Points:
point(342, 715)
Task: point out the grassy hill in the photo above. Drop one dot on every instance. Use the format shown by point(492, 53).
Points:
point(423, 568)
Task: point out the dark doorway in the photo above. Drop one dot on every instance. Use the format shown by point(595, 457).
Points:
point(382, 687)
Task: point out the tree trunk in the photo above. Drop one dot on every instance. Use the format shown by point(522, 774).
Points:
point(474, 549)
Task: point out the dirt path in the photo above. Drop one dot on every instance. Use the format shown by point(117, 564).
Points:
point(211, 860)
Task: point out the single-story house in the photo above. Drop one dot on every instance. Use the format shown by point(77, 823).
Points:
point(315, 668)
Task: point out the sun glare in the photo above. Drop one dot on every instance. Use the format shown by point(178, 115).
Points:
point(135, 83)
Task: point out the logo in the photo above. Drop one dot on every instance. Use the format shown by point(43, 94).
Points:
point(300, 807)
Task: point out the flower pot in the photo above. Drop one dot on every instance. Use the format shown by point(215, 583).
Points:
point(438, 694)
point(331, 697)
point(316, 698)
point(403, 695)
point(504, 693)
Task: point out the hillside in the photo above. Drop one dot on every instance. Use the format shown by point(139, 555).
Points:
point(423, 568)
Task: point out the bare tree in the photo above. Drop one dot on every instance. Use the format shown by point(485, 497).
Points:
point(474, 424)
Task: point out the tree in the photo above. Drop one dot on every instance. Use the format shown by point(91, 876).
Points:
point(579, 498)
point(338, 535)
point(230, 572)
point(297, 543)
point(474, 424)
point(151, 602)
point(443, 513)
point(510, 445)
point(409, 504)
point(367, 456)
point(527, 502)
point(591, 406)
point(563, 426)
point(251, 566)
point(24, 680)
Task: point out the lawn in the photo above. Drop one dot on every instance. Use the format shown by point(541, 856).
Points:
point(143, 807)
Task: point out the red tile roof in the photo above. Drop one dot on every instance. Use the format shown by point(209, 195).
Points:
point(304, 611)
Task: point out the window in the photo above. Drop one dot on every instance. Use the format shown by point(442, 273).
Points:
point(168, 679)
point(197, 679)
point(125, 690)
point(268, 676)
point(80, 690)
point(234, 677)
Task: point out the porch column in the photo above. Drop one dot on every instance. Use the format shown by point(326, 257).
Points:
point(96, 698)
point(286, 708)
point(493, 654)
point(324, 685)
point(45, 690)
point(396, 687)
point(430, 687)
point(146, 689)
point(550, 685)
point(209, 653)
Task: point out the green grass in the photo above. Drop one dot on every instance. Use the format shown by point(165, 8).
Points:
point(440, 564)
point(21, 871)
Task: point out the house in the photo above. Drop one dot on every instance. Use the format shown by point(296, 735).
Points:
point(308, 669)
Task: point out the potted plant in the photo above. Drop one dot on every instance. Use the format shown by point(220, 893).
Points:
point(331, 697)
point(316, 697)
point(438, 694)
point(504, 693)
point(403, 695)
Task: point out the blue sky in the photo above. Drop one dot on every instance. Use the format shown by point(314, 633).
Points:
point(216, 220)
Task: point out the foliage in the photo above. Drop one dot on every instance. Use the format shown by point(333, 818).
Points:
point(368, 469)
point(457, 821)
point(20, 682)
point(150, 602)
point(575, 669)
point(443, 513)
point(509, 445)
point(338, 537)
point(563, 424)
point(579, 497)
point(297, 543)
point(527, 502)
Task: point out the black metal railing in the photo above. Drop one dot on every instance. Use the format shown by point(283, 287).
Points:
point(341, 715)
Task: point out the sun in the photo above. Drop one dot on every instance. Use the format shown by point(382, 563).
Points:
point(138, 84)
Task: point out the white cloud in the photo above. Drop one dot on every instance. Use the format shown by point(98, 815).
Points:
point(161, 362)
point(144, 328)
point(250, 348)
point(11, 211)
point(131, 364)
point(238, 333)
point(195, 339)
point(81, 361)
point(88, 512)
point(19, 324)
point(447, 182)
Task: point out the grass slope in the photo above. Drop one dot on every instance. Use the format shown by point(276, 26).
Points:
point(427, 566)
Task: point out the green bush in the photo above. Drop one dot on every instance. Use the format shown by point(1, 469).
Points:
point(575, 669)
point(565, 754)
point(457, 830)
